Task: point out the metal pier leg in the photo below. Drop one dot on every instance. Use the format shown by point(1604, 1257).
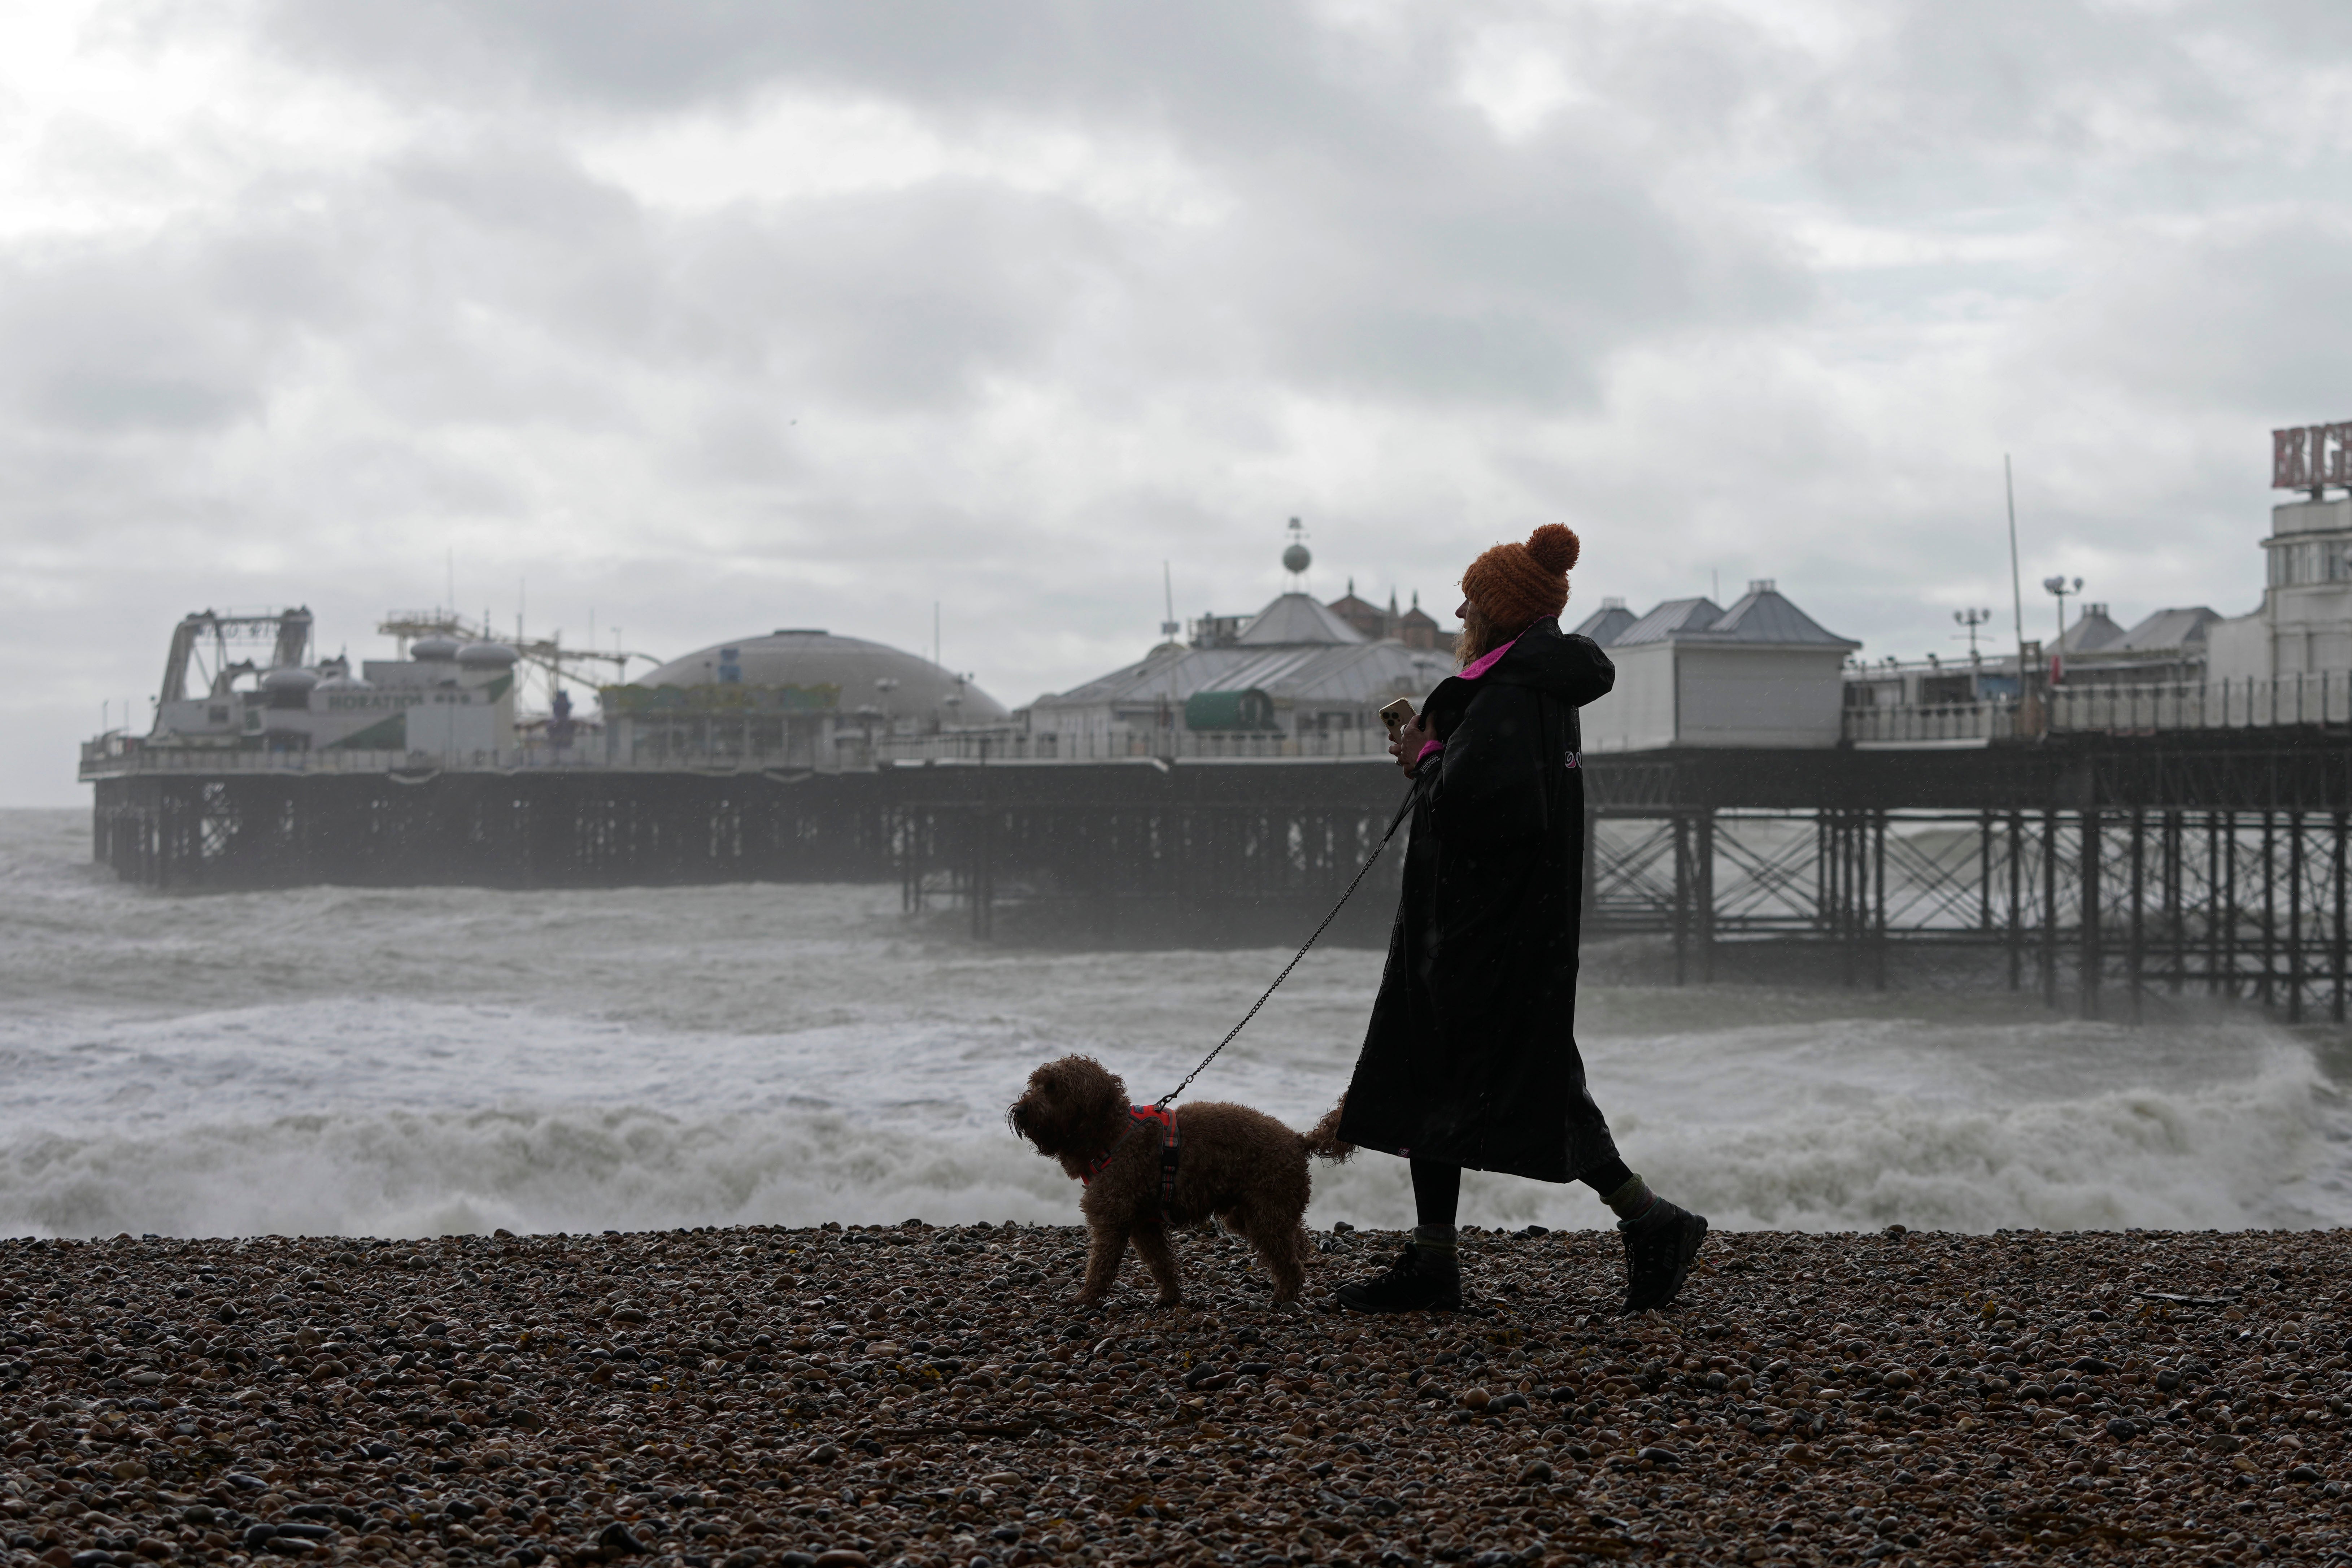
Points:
point(2270, 898)
point(982, 880)
point(1824, 875)
point(2050, 909)
point(2089, 980)
point(2016, 899)
point(2295, 915)
point(1703, 885)
point(1984, 872)
point(2173, 920)
point(1849, 897)
point(2335, 931)
point(1682, 897)
point(1878, 900)
point(1591, 897)
point(2225, 926)
point(2138, 888)
point(907, 830)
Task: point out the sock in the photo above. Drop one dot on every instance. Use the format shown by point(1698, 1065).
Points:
point(1435, 1242)
point(1631, 1201)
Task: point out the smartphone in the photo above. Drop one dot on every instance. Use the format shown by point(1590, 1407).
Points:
point(1395, 714)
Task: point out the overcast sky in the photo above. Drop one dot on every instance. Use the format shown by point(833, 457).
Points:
point(710, 318)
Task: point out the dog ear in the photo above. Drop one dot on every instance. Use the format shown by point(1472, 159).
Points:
point(1068, 1101)
point(1053, 1107)
point(1102, 1092)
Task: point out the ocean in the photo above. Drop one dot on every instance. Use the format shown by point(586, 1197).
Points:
point(415, 1061)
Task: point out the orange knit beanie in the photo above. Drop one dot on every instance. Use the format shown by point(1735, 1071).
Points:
point(1515, 585)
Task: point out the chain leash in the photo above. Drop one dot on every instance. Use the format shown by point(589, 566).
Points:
point(1394, 823)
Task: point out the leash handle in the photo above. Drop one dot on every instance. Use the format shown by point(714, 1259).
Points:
point(1394, 823)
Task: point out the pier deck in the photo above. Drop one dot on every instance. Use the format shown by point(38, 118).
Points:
point(2098, 866)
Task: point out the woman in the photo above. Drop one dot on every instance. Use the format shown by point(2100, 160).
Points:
point(1470, 1058)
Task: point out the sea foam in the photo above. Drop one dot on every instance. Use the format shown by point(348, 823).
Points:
point(410, 1061)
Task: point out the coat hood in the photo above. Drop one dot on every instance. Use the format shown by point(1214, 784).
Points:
point(1569, 666)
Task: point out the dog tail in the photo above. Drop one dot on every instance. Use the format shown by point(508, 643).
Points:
point(1325, 1142)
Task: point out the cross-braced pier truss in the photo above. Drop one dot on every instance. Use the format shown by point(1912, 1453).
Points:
point(2083, 906)
point(2090, 871)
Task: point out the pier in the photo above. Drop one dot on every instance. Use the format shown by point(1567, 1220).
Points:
point(2094, 869)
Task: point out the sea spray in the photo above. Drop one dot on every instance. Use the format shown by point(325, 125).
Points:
point(413, 1060)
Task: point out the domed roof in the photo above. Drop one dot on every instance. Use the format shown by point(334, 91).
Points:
point(868, 675)
point(487, 655)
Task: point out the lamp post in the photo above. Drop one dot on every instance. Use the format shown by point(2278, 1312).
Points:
point(2062, 589)
point(2059, 588)
point(1971, 619)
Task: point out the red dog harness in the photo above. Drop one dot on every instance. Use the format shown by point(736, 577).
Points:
point(1171, 1140)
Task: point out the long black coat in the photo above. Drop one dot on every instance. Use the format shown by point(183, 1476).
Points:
point(1470, 1058)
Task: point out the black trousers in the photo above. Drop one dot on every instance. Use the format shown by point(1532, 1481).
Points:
point(1437, 1189)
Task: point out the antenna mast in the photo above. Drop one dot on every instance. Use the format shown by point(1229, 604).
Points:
point(2016, 583)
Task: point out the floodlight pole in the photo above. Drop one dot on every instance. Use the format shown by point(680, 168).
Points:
point(2016, 582)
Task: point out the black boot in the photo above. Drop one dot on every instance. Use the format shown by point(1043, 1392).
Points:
point(1659, 1247)
point(1421, 1280)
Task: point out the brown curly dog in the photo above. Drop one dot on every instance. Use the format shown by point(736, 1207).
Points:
point(1239, 1164)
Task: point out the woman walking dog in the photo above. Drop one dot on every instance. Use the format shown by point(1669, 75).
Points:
point(1470, 1058)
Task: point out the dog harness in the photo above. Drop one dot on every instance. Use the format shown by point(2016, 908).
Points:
point(1171, 1140)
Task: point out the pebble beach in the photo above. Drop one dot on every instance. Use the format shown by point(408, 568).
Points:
point(916, 1393)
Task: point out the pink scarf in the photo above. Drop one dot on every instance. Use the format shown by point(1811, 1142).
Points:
point(1471, 671)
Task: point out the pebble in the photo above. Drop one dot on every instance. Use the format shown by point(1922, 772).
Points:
point(910, 1394)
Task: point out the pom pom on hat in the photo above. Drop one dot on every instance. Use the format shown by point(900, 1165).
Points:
point(1515, 584)
point(1554, 546)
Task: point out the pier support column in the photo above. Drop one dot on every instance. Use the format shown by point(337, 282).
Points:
point(1984, 873)
point(1878, 900)
point(2176, 923)
point(2050, 909)
point(2336, 927)
point(2269, 988)
point(2138, 892)
point(2091, 958)
point(1681, 910)
point(1703, 889)
point(1845, 839)
point(2294, 913)
point(1590, 897)
point(2016, 901)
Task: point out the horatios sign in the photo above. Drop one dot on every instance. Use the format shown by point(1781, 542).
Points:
point(2312, 457)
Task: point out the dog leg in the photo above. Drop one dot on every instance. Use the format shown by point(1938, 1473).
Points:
point(1107, 1246)
point(1274, 1238)
point(1152, 1246)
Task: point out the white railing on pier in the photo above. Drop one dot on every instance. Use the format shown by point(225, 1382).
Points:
point(2143, 708)
point(2323, 696)
point(113, 757)
point(1931, 723)
point(1167, 744)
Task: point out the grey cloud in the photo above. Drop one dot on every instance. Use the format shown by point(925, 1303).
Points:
point(2240, 318)
point(1421, 335)
point(117, 339)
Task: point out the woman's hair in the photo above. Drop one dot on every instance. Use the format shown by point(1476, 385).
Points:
point(1480, 637)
